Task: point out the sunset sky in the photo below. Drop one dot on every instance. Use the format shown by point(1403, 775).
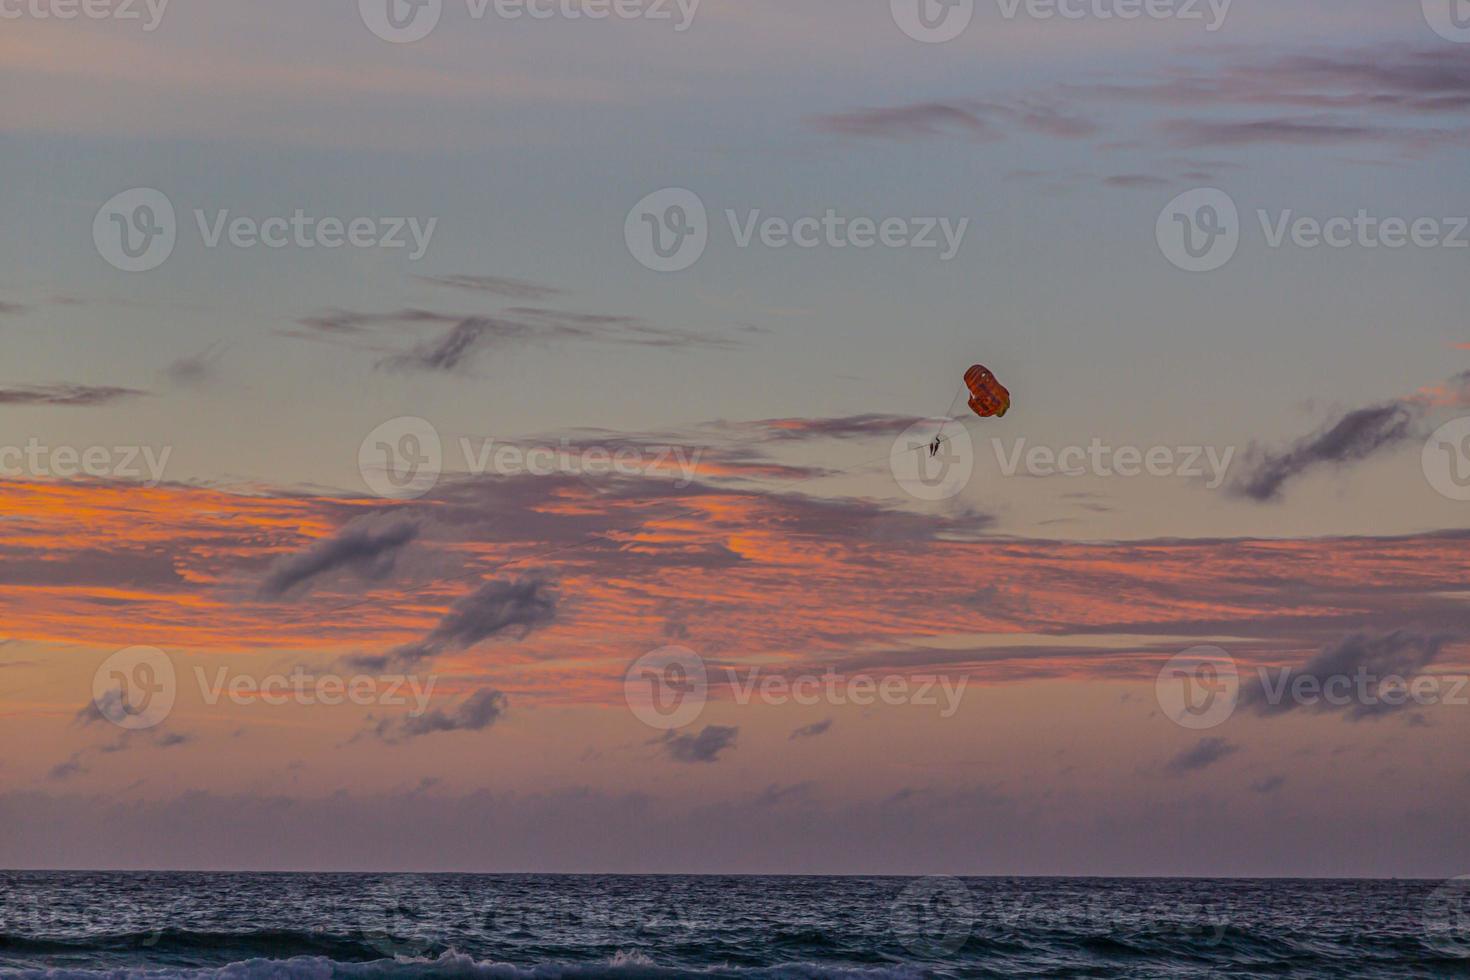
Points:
point(231, 396)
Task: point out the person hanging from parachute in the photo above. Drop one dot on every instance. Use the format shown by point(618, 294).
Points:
point(989, 399)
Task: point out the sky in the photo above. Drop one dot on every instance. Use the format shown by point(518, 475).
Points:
point(559, 386)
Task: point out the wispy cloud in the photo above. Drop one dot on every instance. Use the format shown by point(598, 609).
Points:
point(813, 730)
point(973, 118)
point(1400, 656)
point(469, 337)
point(519, 606)
point(705, 747)
point(194, 369)
point(1268, 785)
point(1333, 98)
point(66, 770)
point(67, 395)
point(368, 548)
point(519, 289)
point(1202, 755)
point(841, 427)
point(1352, 438)
point(476, 713)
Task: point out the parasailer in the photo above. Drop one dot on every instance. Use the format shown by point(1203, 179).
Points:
point(988, 397)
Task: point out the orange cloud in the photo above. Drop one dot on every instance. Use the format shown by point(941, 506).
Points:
point(738, 576)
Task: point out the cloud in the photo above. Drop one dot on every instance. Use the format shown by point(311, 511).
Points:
point(911, 121)
point(469, 337)
point(70, 396)
point(1203, 754)
point(66, 770)
point(476, 713)
point(812, 730)
point(1137, 181)
point(13, 309)
point(822, 580)
point(110, 705)
point(368, 548)
point(704, 747)
point(581, 829)
point(1389, 78)
point(1352, 438)
point(520, 289)
point(1350, 676)
point(520, 605)
point(464, 340)
point(1334, 98)
point(194, 369)
point(841, 427)
point(1318, 131)
point(1270, 784)
point(774, 795)
point(965, 117)
point(352, 322)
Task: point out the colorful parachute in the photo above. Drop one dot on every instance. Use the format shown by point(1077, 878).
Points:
point(988, 397)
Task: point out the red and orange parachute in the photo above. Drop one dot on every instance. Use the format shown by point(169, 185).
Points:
point(988, 397)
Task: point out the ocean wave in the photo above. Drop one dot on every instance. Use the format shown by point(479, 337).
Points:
point(623, 966)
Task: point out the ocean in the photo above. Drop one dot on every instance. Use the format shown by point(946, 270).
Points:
point(250, 926)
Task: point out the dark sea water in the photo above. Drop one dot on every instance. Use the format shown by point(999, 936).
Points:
point(256, 925)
